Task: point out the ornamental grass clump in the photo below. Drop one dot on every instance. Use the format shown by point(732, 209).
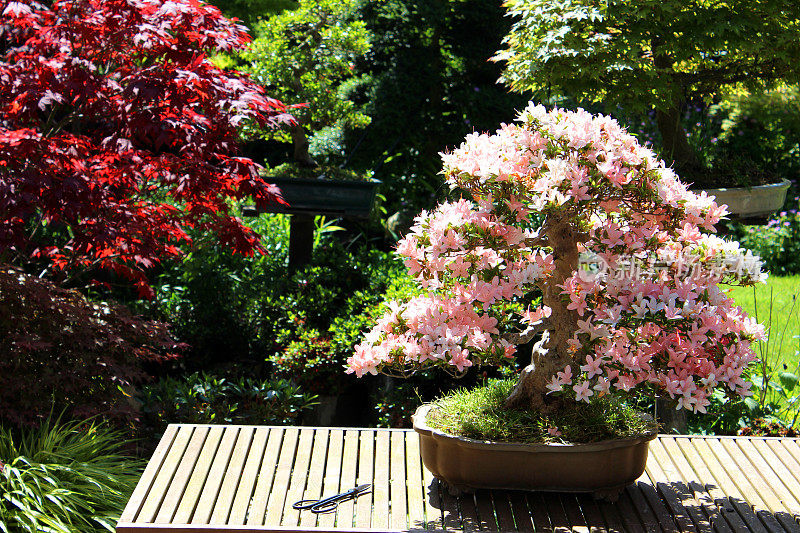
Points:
point(625, 261)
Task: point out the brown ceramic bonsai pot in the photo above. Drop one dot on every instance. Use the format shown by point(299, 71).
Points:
point(602, 468)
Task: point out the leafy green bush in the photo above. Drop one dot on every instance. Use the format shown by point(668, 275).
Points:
point(202, 398)
point(324, 317)
point(762, 127)
point(777, 242)
point(64, 478)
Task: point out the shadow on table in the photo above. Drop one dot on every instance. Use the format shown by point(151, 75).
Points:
point(675, 506)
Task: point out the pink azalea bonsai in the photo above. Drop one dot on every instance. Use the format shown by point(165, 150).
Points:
point(624, 256)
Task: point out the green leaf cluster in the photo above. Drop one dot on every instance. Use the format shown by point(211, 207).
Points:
point(642, 54)
point(64, 478)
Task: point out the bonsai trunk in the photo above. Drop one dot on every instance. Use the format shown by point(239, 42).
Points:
point(300, 144)
point(551, 354)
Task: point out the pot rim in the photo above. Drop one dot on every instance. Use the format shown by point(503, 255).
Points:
point(783, 184)
point(419, 419)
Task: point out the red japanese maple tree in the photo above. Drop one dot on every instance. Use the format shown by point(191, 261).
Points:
point(116, 129)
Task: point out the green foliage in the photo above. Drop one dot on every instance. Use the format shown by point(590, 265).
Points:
point(319, 324)
point(211, 297)
point(761, 126)
point(251, 11)
point(644, 54)
point(480, 414)
point(777, 242)
point(202, 398)
point(429, 85)
point(64, 478)
point(329, 172)
point(307, 56)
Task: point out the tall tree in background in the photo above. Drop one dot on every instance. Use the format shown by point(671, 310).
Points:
point(117, 133)
point(652, 54)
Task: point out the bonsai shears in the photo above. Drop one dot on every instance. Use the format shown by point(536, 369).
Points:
point(329, 505)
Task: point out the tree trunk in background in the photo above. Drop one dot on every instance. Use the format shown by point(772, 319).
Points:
point(300, 143)
point(677, 150)
point(551, 354)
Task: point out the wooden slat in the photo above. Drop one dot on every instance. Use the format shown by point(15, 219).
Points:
point(181, 478)
point(789, 462)
point(233, 475)
point(539, 514)
point(724, 505)
point(433, 509)
point(416, 492)
point(691, 484)
point(483, 503)
point(574, 514)
point(345, 513)
point(161, 484)
point(148, 476)
point(316, 476)
point(451, 517)
point(729, 486)
point(266, 476)
point(366, 459)
point(665, 518)
point(245, 478)
point(397, 480)
point(297, 485)
point(199, 475)
point(554, 505)
point(663, 472)
point(380, 514)
point(628, 517)
point(786, 480)
point(469, 512)
point(333, 474)
point(763, 486)
point(208, 497)
point(283, 471)
point(519, 507)
point(247, 483)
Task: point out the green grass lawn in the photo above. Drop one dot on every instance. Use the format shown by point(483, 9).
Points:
point(782, 318)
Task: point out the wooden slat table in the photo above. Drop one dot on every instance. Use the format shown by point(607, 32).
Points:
point(245, 479)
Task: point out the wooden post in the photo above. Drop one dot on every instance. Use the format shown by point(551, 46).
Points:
point(301, 240)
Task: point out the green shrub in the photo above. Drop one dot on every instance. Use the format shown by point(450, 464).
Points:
point(202, 398)
point(777, 242)
point(324, 317)
point(64, 478)
point(762, 127)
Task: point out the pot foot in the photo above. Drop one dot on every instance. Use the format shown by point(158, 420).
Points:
point(456, 490)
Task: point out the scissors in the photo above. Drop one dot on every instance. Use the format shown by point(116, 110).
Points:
point(329, 505)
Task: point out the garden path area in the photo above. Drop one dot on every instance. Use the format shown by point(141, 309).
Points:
point(245, 479)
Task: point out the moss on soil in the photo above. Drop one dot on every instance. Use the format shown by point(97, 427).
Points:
point(479, 414)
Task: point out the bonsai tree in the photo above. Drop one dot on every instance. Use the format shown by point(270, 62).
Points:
point(117, 134)
point(647, 56)
point(306, 56)
point(627, 277)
